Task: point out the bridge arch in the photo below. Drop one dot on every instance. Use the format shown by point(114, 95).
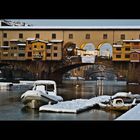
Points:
point(105, 49)
point(109, 75)
point(88, 46)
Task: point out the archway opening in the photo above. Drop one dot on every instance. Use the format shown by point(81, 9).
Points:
point(69, 49)
point(88, 49)
point(105, 50)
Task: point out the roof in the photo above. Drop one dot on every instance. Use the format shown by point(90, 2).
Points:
point(49, 44)
point(58, 41)
point(30, 39)
point(132, 40)
point(67, 27)
point(14, 40)
point(21, 44)
point(117, 46)
point(5, 46)
point(135, 51)
point(44, 82)
point(38, 40)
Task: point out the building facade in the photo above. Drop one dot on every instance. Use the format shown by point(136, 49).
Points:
point(18, 43)
point(129, 51)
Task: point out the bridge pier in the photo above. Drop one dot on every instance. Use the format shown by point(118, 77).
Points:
point(133, 73)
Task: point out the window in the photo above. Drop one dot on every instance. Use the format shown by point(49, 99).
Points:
point(20, 35)
point(42, 46)
point(53, 36)
point(118, 56)
point(21, 47)
point(134, 55)
point(55, 54)
point(21, 54)
point(5, 35)
point(136, 43)
point(87, 36)
point(37, 36)
point(5, 43)
point(29, 54)
point(29, 42)
point(122, 36)
point(35, 46)
point(118, 49)
point(55, 47)
point(104, 36)
point(127, 49)
point(5, 48)
point(5, 54)
point(48, 54)
point(48, 47)
point(70, 36)
point(127, 56)
point(127, 42)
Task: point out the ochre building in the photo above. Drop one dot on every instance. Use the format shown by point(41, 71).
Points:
point(49, 43)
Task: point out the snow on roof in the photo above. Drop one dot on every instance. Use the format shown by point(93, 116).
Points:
point(30, 39)
point(14, 40)
point(132, 40)
point(117, 45)
point(38, 40)
point(5, 46)
point(49, 44)
point(56, 41)
point(21, 44)
point(68, 27)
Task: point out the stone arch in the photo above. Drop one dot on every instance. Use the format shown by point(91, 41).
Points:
point(105, 49)
point(88, 46)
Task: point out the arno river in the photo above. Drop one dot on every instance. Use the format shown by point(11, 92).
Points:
point(11, 107)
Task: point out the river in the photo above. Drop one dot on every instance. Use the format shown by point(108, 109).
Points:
point(11, 107)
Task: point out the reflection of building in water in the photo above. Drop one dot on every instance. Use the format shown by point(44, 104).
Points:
point(100, 85)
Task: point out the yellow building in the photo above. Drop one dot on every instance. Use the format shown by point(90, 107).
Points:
point(124, 51)
point(54, 50)
point(38, 49)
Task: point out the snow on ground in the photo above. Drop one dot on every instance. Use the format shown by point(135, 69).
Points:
point(132, 114)
point(74, 106)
